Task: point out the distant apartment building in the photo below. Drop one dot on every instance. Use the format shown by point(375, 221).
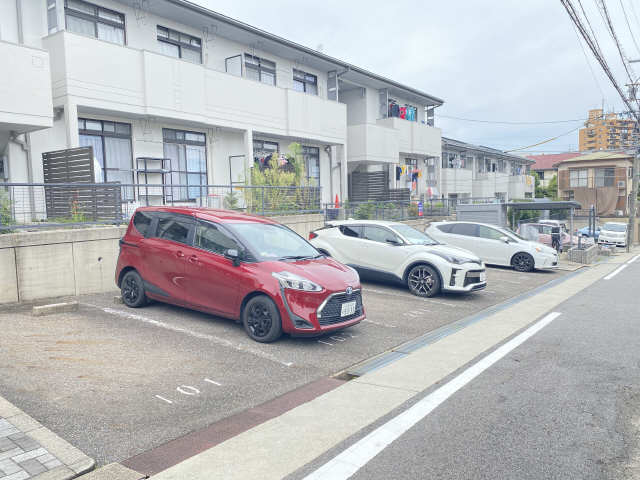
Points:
point(606, 132)
point(602, 179)
point(168, 79)
point(545, 164)
point(468, 170)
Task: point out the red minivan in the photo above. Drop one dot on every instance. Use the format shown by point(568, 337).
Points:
point(238, 266)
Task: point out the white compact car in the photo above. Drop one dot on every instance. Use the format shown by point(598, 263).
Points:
point(399, 253)
point(495, 245)
point(613, 233)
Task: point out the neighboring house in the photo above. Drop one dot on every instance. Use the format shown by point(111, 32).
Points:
point(545, 167)
point(468, 170)
point(608, 131)
point(170, 79)
point(602, 179)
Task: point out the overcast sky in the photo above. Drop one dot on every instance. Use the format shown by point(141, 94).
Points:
point(500, 60)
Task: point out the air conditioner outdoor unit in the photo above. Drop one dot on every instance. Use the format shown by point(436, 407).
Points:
point(620, 183)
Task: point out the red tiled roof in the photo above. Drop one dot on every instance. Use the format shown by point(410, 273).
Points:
point(547, 161)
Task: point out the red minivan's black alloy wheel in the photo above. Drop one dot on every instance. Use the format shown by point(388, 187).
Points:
point(132, 290)
point(261, 319)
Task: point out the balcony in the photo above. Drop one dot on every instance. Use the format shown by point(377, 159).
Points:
point(25, 92)
point(519, 185)
point(373, 143)
point(415, 138)
point(457, 180)
point(123, 80)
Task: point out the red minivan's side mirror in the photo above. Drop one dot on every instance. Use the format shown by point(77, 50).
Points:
point(233, 255)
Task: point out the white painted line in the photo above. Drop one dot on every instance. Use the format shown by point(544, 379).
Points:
point(212, 338)
point(616, 271)
point(633, 259)
point(326, 343)
point(188, 390)
point(164, 399)
point(211, 381)
point(379, 323)
point(359, 454)
point(414, 297)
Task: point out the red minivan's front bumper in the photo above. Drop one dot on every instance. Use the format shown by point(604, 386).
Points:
point(316, 313)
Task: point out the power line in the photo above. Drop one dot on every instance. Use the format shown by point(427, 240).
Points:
point(544, 141)
point(506, 122)
point(633, 37)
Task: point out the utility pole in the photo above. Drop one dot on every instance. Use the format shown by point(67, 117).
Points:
point(635, 172)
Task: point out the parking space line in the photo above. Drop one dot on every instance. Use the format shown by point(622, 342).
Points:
point(633, 259)
point(414, 297)
point(616, 271)
point(347, 463)
point(211, 381)
point(212, 338)
point(164, 399)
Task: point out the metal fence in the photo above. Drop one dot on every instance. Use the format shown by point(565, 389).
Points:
point(388, 210)
point(35, 205)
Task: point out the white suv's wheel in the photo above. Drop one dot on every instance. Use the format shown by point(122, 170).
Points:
point(423, 281)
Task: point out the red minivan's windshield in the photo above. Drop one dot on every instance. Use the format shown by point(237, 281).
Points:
point(273, 242)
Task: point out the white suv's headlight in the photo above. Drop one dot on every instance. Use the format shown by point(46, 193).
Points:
point(456, 260)
point(296, 282)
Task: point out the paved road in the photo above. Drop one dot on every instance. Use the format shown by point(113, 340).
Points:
point(116, 382)
point(564, 404)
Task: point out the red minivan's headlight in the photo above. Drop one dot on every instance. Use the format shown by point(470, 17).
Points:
point(295, 282)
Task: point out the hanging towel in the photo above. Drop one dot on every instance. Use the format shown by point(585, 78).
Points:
point(398, 173)
point(403, 112)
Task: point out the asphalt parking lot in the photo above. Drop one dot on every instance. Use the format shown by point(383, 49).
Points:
point(115, 381)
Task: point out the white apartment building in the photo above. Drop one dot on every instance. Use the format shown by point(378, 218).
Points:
point(468, 170)
point(139, 79)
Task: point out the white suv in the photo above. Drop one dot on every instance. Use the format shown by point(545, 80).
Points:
point(399, 253)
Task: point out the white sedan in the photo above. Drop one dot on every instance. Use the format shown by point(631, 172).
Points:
point(495, 245)
point(399, 253)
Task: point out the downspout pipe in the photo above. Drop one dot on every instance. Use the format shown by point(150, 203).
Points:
point(19, 19)
point(26, 147)
point(327, 149)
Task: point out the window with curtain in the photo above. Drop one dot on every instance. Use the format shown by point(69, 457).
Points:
point(188, 154)
point(179, 45)
point(305, 82)
point(113, 159)
point(605, 177)
point(578, 177)
point(260, 69)
point(94, 21)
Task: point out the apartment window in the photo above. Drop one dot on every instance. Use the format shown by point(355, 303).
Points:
point(453, 160)
point(188, 154)
point(93, 21)
point(305, 82)
point(180, 45)
point(52, 16)
point(605, 177)
point(311, 156)
point(578, 177)
point(259, 69)
point(113, 159)
point(569, 195)
point(540, 174)
point(262, 151)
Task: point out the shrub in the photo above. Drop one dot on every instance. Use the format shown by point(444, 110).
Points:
point(6, 216)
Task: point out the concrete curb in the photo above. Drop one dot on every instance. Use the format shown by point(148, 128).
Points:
point(74, 462)
point(113, 471)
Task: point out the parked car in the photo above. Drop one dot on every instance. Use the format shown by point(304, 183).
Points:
point(584, 232)
point(541, 233)
point(237, 266)
point(495, 245)
point(613, 233)
point(398, 253)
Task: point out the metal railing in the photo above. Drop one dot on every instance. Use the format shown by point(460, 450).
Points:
point(388, 210)
point(37, 205)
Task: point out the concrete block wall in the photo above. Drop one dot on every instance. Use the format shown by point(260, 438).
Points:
point(57, 263)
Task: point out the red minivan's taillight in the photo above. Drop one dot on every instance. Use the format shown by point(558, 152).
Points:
point(312, 235)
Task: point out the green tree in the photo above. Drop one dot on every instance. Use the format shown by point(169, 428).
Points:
point(552, 188)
